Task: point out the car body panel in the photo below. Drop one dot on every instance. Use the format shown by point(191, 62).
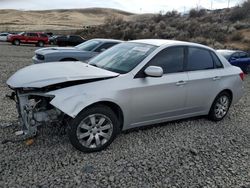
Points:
point(44, 75)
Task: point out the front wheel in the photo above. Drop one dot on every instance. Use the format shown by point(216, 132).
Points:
point(16, 42)
point(220, 106)
point(93, 129)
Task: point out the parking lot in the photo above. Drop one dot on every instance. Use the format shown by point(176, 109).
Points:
point(188, 153)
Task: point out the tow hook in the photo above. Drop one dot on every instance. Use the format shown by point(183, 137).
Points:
point(12, 96)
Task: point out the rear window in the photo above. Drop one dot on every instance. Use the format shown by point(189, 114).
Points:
point(217, 62)
point(199, 59)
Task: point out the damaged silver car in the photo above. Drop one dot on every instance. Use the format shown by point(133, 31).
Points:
point(133, 84)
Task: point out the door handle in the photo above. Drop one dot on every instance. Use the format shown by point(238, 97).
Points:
point(181, 83)
point(216, 78)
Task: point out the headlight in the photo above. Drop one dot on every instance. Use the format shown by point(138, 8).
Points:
point(40, 57)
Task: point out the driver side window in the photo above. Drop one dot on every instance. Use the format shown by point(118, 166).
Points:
point(171, 60)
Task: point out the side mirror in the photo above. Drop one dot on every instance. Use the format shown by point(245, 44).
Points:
point(154, 71)
point(102, 50)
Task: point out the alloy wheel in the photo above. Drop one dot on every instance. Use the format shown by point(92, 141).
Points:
point(94, 131)
point(222, 106)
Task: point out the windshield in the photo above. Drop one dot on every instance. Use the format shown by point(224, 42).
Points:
point(88, 45)
point(123, 57)
point(22, 33)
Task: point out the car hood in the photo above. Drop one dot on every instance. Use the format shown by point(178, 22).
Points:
point(42, 75)
point(43, 51)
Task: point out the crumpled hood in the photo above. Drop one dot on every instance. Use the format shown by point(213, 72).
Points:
point(46, 74)
point(49, 50)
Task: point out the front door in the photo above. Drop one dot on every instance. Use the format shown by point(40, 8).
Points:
point(158, 99)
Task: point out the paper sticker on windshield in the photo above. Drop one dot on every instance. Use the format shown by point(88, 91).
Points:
point(141, 49)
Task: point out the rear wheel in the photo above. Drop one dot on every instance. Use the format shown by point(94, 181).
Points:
point(93, 129)
point(16, 42)
point(40, 44)
point(220, 106)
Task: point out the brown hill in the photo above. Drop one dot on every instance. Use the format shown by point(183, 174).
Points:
point(71, 19)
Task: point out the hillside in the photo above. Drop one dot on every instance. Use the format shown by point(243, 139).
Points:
point(225, 28)
point(17, 20)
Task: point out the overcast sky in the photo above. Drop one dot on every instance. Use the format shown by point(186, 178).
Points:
point(137, 6)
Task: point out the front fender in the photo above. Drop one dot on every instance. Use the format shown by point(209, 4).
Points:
point(73, 104)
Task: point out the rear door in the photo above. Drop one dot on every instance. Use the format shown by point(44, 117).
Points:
point(204, 78)
point(32, 38)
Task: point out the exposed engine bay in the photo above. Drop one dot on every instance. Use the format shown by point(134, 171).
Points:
point(35, 110)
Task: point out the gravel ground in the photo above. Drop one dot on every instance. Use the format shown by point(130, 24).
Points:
point(188, 153)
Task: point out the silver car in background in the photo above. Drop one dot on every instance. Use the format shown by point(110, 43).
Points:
point(133, 84)
point(81, 52)
point(3, 37)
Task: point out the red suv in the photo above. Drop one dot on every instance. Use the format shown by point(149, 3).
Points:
point(37, 38)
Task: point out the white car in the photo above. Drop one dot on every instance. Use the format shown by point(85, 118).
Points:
point(133, 84)
point(3, 36)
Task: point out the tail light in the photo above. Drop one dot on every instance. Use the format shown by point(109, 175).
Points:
point(242, 76)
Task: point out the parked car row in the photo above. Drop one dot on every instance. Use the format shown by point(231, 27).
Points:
point(129, 85)
point(41, 38)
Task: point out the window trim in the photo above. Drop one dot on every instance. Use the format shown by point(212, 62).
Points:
point(141, 74)
point(213, 55)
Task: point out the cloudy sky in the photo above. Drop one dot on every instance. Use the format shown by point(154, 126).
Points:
point(137, 6)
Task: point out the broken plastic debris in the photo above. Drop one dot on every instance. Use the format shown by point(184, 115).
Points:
point(19, 133)
point(29, 142)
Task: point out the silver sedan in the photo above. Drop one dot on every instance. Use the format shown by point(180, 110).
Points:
point(133, 84)
point(81, 52)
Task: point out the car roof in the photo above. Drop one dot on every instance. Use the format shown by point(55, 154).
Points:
point(165, 42)
point(107, 40)
point(228, 51)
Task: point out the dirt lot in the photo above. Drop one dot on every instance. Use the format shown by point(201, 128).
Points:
point(188, 153)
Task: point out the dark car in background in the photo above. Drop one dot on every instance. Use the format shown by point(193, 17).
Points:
point(52, 39)
point(69, 40)
point(237, 58)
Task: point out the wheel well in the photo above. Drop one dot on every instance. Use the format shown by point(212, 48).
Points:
point(115, 108)
point(68, 59)
point(229, 92)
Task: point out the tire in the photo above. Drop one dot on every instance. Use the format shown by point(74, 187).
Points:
point(220, 106)
point(40, 44)
point(16, 42)
point(93, 129)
